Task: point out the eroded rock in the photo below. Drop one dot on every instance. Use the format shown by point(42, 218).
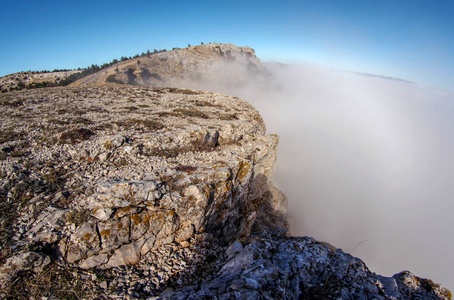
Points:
point(273, 266)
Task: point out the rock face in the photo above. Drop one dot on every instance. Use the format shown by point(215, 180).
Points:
point(138, 192)
point(188, 67)
point(274, 266)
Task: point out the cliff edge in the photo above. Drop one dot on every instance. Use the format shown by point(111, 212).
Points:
point(137, 192)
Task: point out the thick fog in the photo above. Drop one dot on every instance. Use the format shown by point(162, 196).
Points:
point(367, 163)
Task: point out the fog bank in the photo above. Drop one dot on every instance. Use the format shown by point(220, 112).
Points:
point(366, 163)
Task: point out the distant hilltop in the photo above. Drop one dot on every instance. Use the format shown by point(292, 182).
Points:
point(189, 66)
point(175, 67)
point(33, 79)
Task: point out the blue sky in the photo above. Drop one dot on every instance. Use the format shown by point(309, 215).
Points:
point(412, 40)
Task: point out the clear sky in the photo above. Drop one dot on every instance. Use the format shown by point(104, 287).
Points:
point(412, 40)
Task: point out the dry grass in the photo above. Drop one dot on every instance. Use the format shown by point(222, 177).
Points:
point(195, 146)
point(190, 113)
point(54, 281)
point(77, 217)
point(148, 124)
point(186, 168)
point(178, 91)
point(202, 103)
point(76, 135)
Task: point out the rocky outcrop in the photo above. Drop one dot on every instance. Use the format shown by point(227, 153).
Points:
point(188, 67)
point(273, 266)
point(162, 193)
point(124, 170)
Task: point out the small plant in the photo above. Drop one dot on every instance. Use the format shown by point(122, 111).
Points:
point(185, 168)
point(121, 162)
point(202, 103)
point(11, 135)
point(76, 135)
point(207, 144)
point(77, 217)
point(131, 108)
point(228, 117)
point(164, 114)
point(149, 124)
point(80, 120)
point(191, 113)
point(152, 124)
point(54, 281)
point(167, 153)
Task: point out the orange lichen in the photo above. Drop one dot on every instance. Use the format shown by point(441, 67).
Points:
point(87, 236)
point(243, 169)
point(123, 210)
point(105, 232)
point(140, 218)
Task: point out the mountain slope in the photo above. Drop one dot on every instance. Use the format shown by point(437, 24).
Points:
point(182, 67)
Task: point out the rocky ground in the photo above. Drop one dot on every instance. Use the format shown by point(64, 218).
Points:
point(157, 193)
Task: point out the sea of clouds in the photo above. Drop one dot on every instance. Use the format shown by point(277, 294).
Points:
point(367, 162)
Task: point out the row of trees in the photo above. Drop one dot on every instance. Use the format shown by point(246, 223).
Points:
point(21, 85)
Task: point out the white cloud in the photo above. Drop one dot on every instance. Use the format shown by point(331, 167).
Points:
point(366, 162)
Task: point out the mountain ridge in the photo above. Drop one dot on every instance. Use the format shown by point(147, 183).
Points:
point(176, 67)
